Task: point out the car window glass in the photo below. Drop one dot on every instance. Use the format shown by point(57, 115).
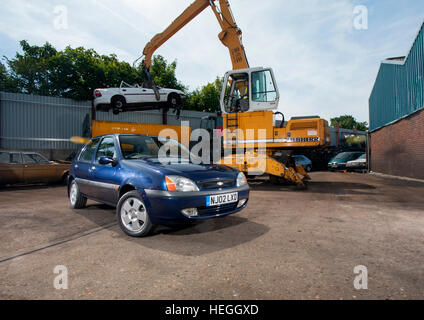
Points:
point(342, 155)
point(15, 158)
point(135, 147)
point(39, 158)
point(88, 152)
point(106, 149)
point(29, 158)
point(4, 157)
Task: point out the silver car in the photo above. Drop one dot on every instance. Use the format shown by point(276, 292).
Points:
point(358, 164)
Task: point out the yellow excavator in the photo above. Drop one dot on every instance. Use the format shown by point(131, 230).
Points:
point(254, 140)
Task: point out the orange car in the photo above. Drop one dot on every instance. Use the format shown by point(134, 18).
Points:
point(30, 167)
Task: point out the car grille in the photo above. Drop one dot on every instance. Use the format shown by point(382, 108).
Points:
point(208, 211)
point(216, 184)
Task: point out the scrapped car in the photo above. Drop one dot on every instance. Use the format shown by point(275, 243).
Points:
point(130, 173)
point(358, 164)
point(29, 167)
point(339, 162)
point(134, 97)
point(303, 161)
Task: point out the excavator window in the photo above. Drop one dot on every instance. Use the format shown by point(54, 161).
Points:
point(235, 91)
point(263, 89)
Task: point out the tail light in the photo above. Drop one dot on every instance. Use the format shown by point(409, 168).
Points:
point(97, 93)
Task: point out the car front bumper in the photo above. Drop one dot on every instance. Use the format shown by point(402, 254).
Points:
point(336, 166)
point(166, 207)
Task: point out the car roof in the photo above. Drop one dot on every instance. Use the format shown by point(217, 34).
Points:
point(122, 134)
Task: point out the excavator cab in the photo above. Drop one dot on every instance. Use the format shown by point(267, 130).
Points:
point(249, 90)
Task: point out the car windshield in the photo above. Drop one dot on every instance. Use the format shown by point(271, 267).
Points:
point(345, 155)
point(126, 85)
point(363, 157)
point(135, 147)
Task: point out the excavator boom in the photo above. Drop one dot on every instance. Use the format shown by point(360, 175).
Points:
point(230, 35)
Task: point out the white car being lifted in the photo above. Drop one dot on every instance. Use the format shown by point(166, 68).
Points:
point(133, 98)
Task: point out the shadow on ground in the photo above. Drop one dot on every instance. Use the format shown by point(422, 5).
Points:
point(315, 187)
point(189, 240)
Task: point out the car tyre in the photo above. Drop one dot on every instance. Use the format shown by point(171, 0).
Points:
point(118, 104)
point(78, 201)
point(132, 215)
point(174, 100)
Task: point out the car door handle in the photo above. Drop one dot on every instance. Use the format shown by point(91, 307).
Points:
point(124, 89)
point(93, 168)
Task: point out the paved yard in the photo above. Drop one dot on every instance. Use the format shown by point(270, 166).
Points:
point(287, 244)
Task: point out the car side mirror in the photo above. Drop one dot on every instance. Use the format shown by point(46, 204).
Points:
point(108, 160)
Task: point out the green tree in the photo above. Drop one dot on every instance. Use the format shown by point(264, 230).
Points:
point(349, 122)
point(76, 72)
point(6, 82)
point(163, 73)
point(206, 98)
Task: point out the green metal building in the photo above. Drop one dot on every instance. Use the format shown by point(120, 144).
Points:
point(396, 109)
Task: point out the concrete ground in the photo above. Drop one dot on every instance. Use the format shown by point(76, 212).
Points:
point(286, 244)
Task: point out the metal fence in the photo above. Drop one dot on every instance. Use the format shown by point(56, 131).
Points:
point(29, 122)
point(399, 88)
point(340, 137)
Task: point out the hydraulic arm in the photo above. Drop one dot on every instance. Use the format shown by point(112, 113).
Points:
point(230, 36)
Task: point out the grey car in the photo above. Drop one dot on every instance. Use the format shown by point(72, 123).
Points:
point(304, 162)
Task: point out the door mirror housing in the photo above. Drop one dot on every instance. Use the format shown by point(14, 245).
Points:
point(108, 160)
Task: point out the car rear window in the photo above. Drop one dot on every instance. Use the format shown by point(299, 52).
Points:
point(4, 157)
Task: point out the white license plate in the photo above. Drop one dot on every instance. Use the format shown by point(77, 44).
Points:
point(221, 199)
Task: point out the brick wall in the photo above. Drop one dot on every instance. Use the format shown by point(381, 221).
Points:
point(398, 149)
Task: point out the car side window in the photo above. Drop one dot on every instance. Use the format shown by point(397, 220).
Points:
point(4, 157)
point(106, 149)
point(15, 158)
point(88, 152)
point(39, 158)
point(29, 158)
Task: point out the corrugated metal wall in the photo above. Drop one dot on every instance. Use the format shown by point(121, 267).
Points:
point(30, 122)
point(399, 88)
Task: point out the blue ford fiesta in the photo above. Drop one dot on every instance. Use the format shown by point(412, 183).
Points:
point(151, 187)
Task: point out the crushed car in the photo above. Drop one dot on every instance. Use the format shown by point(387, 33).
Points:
point(137, 98)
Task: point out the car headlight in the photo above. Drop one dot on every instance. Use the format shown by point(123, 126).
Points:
point(177, 183)
point(241, 179)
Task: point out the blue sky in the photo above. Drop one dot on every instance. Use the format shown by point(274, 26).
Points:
point(323, 65)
